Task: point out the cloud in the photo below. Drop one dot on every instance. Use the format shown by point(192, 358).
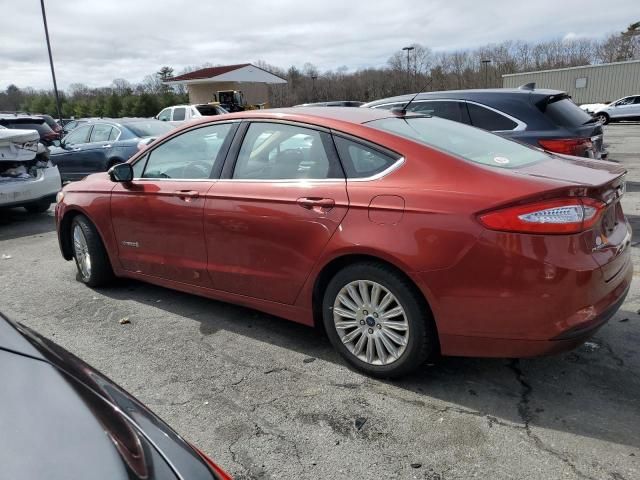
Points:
point(96, 41)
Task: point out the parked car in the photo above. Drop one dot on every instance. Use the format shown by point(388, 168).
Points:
point(404, 235)
point(336, 103)
point(27, 178)
point(183, 113)
point(590, 108)
point(544, 118)
point(30, 122)
point(99, 144)
point(53, 124)
point(63, 419)
point(627, 108)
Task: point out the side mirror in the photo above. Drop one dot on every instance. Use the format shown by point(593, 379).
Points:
point(121, 173)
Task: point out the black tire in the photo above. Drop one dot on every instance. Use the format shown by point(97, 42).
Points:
point(421, 340)
point(100, 272)
point(603, 117)
point(38, 207)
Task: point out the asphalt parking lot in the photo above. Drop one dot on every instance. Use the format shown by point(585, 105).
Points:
point(267, 398)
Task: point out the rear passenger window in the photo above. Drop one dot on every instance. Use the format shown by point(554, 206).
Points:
point(486, 119)
point(361, 161)
point(100, 133)
point(443, 109)
point(178, 113)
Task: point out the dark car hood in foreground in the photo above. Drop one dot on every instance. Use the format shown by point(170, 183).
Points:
point(61, 419)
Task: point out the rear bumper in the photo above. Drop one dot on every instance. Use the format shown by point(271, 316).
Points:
point(505, 302)
point(44, 187)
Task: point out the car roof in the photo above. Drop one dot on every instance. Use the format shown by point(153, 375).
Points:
point(22, 117)
point(536, 93)
point(320, 115)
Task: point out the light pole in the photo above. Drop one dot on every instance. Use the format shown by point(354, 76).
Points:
point(53, 73)
point(485, 64)
point(408, 49)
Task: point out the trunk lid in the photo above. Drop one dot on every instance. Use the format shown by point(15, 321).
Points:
point(610, 237)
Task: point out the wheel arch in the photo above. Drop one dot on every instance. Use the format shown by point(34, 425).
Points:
point(65, 231)
point(332, 267)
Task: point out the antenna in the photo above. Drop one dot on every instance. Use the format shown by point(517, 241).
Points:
point(402, 111)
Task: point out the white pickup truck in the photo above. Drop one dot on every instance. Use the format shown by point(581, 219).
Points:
point(27, 178)
point(179, 114)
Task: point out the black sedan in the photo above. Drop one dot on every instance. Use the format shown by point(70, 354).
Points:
point(62, 419)
point(99, 144)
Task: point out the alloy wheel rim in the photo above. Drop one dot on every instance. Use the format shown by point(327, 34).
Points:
point(371, 322)
point(81, 250)
point(602, 118)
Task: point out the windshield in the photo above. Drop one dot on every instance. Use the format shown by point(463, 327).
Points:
point(151, 128)
point(469, 143)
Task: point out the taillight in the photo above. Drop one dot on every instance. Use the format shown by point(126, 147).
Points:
point(570, 215)
point(217, 470)
point(568, 146)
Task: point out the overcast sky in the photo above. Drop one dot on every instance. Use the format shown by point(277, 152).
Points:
point(95, 41)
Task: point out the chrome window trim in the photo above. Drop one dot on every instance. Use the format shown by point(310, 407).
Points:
point(394, 166)
point(520, 125)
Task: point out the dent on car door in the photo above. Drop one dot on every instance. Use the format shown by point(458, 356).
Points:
point(157, 218)
point(270, 217)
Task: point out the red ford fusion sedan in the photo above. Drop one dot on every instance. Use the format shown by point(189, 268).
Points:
point(404, 235)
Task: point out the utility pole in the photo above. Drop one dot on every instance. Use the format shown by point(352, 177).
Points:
point(408, 49)
point(485, 64)
point(53, 73)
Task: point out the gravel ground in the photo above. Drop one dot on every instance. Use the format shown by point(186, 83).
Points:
point(268, 398)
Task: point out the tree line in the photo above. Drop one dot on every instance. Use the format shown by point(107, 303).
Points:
point(423, 69)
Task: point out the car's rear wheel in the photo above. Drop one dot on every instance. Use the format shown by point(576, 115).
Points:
point(38, 207)
point(91, 258)
point(377, 320)
point(603, 118)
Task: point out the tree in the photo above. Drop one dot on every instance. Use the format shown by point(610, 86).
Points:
point(113, 106)
point(165, 73)
point(13, 97)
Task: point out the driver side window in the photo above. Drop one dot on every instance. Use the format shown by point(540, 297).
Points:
point(190, 155)
point(78, 136)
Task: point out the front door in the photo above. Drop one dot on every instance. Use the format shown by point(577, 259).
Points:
point(158, 218)
point(94, 155)
point(268, 222)
point(69, 157)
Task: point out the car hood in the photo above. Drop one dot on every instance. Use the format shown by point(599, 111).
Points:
point(107, 433)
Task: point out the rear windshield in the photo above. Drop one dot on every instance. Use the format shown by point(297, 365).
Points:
point(463, 141)
point(41, 128)
point(210, 110)
point(565, 113)
point(148, 129)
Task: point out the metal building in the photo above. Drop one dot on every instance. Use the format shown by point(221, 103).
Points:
point(588, 84)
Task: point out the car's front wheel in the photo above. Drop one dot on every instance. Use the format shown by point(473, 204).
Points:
point(603, 118)
point(91, 258)
point(377, 320)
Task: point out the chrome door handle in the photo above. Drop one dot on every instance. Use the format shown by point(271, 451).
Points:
point(314, 203)
point(77, 149)
point(106, 146)
point(186, 194)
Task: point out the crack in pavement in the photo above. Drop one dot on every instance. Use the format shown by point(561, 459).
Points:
point(524, 410)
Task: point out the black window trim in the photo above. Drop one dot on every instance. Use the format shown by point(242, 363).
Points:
point(217, 163)
point(234, 151)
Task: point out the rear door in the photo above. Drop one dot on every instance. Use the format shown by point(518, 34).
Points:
point(269, 218)
point(95, 154)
